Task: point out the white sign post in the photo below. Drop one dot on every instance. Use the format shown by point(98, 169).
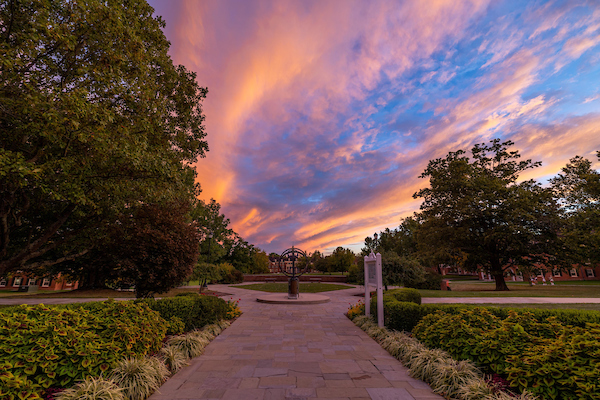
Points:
point(373, 278)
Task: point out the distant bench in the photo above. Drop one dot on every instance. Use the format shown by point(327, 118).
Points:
point(317, 280)
point(270, 279)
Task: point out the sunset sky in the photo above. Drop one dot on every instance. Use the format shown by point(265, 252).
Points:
point(322, 114)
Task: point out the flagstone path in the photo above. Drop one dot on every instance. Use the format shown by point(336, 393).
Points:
point(293, 352)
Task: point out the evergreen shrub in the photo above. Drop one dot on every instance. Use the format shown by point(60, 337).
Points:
point(194, 310)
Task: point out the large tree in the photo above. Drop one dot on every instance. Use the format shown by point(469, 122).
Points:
point(476, 206)
point(152, 247)
point(577, 189)
point(95, 118)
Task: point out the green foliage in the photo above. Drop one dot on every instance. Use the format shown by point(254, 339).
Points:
point(175, 326)
point(431, 281)
point(55, 346)
point(195, 311)
point(95, 118)
point(455, 333)
point(401, 308)
point(17, 387)
point(152, 247)
point(476, 207)
point(92, 389)
point(577, 188)
point(139, 377)
point(548, 358)
point(356, 273)
point(409, 295)
point(455, 380)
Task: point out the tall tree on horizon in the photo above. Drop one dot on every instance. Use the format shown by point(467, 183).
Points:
point(476, 206)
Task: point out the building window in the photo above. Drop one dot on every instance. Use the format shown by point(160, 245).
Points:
point(68, 284)
point(519, 272)
point(17, 281)
point(573, 273)
point(556, 273)
point(589, 272)
point(3, 283)
point(31, 282)
point(46, 282)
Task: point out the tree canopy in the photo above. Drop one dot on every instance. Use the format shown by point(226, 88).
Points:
point(476, 206)
point(577, 189)
point(95, 118)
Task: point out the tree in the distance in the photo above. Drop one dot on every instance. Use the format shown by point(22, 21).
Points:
point(476, 206)
point(577, 189)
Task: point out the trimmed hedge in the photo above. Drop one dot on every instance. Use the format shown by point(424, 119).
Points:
point(405, 316)
point(193, 310)
point(55, 346)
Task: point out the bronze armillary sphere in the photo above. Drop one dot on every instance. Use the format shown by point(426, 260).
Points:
point(292, 254)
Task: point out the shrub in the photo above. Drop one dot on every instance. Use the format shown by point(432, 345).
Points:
point(92, 389)
point(138, 377)
point(53, 346)
point(455, 333)
point(175, 326)
point(408, 295)
point(194, 310)
point(433, 281)
point(401, 309)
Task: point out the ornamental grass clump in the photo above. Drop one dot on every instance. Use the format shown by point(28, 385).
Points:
point(173, 357)
point(139, 377)
point(449, 376)
point(192, 344)
point(475, 389)
point(92, 389)
point(424, 364)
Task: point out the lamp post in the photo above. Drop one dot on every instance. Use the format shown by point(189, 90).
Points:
point(204, 285)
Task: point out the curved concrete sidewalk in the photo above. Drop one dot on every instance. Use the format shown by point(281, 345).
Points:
point(294, 352)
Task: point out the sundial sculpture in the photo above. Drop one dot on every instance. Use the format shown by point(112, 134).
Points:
point(292, 254)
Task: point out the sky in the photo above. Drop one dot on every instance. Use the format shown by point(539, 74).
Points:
point(321, 115)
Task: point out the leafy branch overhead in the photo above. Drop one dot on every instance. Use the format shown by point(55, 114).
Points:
point(95, 117)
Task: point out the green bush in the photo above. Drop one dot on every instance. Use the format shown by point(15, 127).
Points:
point(401, 308)
point(551, 359)
point(356, 274)
point(52, 346)
point(411, 295)
point(433, 281)
point(194, 310)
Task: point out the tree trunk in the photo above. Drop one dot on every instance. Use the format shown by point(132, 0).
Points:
point(500, 282)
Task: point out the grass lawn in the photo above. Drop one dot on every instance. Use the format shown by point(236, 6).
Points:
point(89, 294)
point(517, 289)
point(282, 287)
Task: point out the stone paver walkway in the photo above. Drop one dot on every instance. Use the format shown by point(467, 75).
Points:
point(280, 351)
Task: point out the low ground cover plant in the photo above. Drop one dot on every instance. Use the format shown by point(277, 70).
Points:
point(47, 347)
point(551, 359)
